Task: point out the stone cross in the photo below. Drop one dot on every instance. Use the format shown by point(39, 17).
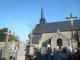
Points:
point(6, 43)
point(71, 19)
point(31, 39)
point(39, 46)
point(7, 36)
point(5, 53)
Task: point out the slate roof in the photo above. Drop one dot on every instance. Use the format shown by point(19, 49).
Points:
point(36, 38)
point(54, 26)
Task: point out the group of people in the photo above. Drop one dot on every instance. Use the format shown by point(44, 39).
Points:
point(56, 54)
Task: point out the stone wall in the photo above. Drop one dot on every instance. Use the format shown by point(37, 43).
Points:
point(46, 36)
point(2, 44)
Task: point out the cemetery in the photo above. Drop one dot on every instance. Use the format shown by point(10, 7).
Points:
point(44, 51)
point(54, 40)
point(47, 41)
point(19, 51)
point(12, 50)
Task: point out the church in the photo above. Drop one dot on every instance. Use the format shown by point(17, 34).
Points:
point(55, 33)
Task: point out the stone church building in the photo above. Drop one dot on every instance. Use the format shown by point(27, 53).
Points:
point(54, 33)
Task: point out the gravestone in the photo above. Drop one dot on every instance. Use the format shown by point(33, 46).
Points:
point(13, 55)
point(21, 52)
point(5, 50)
point(42, 50)
point(13, 46)
point(13, 50)
point(31, 51)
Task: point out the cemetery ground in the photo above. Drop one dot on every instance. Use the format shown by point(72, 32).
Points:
point(42, 53)
point(46, 53)
point(16, 51)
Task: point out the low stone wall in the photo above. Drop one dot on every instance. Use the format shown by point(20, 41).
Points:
point(2, 44)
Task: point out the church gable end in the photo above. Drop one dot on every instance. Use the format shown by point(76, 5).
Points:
point(58, 34)
point(59, 39)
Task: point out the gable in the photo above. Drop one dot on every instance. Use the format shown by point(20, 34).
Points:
point(58, 34)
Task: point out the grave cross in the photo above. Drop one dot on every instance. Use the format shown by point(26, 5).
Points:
point(71, 19)
point(7, 36)
point(6, 51)
point(31, 35)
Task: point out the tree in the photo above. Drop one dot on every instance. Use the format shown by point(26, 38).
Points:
point(3, 36)
point(11, 38)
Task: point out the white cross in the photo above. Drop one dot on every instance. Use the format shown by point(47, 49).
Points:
point(31, 38)
point(72, 22)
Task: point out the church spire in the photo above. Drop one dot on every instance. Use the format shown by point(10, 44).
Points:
point(42, 13)
point(42, 19)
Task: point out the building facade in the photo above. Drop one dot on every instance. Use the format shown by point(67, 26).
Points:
point(55, 33)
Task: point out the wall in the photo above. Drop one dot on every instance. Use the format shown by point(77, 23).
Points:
point(46, 36)
point(67, 34)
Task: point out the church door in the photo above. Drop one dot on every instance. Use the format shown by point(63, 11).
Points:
point(59, 42)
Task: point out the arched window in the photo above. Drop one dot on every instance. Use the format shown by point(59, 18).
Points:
point(59, 42)
point(50, 41)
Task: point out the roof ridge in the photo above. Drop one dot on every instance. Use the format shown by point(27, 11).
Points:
point(63, 21)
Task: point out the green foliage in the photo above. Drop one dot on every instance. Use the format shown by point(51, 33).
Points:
point(3, 36)
point(11, 38)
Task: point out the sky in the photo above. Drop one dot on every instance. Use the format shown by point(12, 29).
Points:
point(20, 16)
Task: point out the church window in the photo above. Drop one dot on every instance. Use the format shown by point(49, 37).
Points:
point(59, 42)
point(50, 41)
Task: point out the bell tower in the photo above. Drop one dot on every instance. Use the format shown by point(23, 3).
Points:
point(42, 19)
